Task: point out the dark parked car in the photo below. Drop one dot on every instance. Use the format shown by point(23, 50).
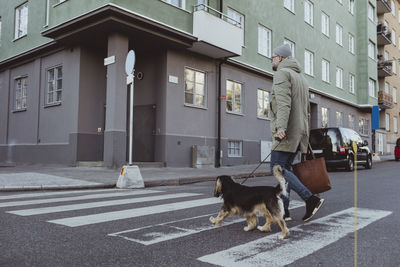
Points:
point(397, 150)
point(335, 145)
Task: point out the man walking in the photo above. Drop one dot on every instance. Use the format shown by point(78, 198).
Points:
point(290, 114)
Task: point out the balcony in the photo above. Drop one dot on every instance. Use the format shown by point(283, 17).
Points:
point(218, 35)
point(384, 36)
point(384, 69)
point(383, 6)
point(385, 101)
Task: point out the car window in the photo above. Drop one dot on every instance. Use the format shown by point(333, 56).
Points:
point(333, 139)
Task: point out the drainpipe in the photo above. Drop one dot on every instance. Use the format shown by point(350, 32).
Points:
point(218, 151)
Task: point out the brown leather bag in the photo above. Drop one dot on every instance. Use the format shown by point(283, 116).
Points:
point(312, 173)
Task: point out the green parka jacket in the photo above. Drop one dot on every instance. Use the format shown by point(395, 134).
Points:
point(290, 107)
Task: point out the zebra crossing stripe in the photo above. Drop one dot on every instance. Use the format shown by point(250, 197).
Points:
point(85, 197)
point(304, 240)
point(132, 213)
point(157, 233)
point(45, 210)
point(45, 194)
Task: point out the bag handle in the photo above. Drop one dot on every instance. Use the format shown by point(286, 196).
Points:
point(309, 149)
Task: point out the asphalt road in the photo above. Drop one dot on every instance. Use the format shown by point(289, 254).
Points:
point(168, 226)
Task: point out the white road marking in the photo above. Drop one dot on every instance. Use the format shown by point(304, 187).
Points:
point(37, 211)
point(304, 240)
point(132, 213)
point(172, 230)
point(45, 194)
point(93, 196)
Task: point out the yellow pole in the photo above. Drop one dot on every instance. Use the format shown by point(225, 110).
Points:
point(355, 202)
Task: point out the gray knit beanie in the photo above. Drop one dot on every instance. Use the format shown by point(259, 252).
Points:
point(283, 50)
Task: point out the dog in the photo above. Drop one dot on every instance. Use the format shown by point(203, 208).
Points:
point(252, 201)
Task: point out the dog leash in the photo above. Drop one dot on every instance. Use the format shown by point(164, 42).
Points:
point(280, 140)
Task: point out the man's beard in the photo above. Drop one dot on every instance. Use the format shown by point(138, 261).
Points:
point(274, 67)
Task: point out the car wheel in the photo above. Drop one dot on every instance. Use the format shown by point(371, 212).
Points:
point(368, 164)
point(350, 164)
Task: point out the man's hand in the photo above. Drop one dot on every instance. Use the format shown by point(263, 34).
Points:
point(280, 135)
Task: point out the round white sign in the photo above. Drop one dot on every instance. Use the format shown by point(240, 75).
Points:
point(130, 62)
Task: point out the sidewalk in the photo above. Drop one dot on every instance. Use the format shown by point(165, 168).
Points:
point(38, 177)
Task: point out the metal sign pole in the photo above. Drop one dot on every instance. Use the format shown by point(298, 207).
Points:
point(131, 121)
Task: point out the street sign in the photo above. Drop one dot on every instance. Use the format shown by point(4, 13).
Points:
point(130, 62)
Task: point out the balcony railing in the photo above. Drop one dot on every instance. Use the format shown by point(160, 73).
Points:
point(383, 6)
point(385, 100)
point(384, 37)
point(219, 36)
point(384, 69)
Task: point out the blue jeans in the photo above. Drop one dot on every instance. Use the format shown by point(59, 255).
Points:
point(285, 160)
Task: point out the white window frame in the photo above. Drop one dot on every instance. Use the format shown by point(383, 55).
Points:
point(289, 5)
point(325, 24)
point(292, 46)
point(233, 100)
point(339, 119)
point(387, 122)
point(363, 126)
point(20, 93)
point(387, 88)
point(352, 81)
point(393, 36)
point(54, 95)
point(181, 5)
point(395, 129)
point(324, 117)
point(21, 21)
point(309, 62)
point(197, 86)
point(394, 93)
point(351, 7)
point(263, 104)
point(235, 149)
point(325, 65)
point(236, 18)
point(371, 50)
point(351, 121)
point(394, 66)
point(393, 6)
point(264, 41)
point(339, 34)
point(351, 44)
point(371, 12)
point(309, 12)
point(339, 77)
point(47, 17)
point(371, 88)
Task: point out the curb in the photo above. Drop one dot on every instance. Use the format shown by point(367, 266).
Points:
point(54, 187)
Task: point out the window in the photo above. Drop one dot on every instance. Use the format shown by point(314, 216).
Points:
point(291, 44)
point(351, 7)
point(352, 81)
point(325, 71)
point(387, 122)
point(351, 122)
point(339, 119)
point(289, 4)
point(394, 37)
point(371, 50)
point(21, 21)
point(177, 3)
point(371, 88)
point(309, 62)
point(233, 96)
point(371, 12)
point(325, 24)
point(264, 41)
point(54, 85)
point(351, 43)
point(339, 78)
point(395, 130)
point(309, 12)
point(394, 92)
point(47, 15)
point(363, 126)
point(394, 66)
point(324, 117)
point(235, 18)
point(399, 42)
point(393, 8)
point(21, 89)
point(234, 148)
point(195, 93)
point(339, 34)
point(386, 88)
point(262, 103)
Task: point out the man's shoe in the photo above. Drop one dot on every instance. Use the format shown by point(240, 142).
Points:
point(286, 216)
point(313, 204)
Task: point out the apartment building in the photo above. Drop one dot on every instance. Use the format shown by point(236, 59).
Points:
point(388, 31)
point(202, 76)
